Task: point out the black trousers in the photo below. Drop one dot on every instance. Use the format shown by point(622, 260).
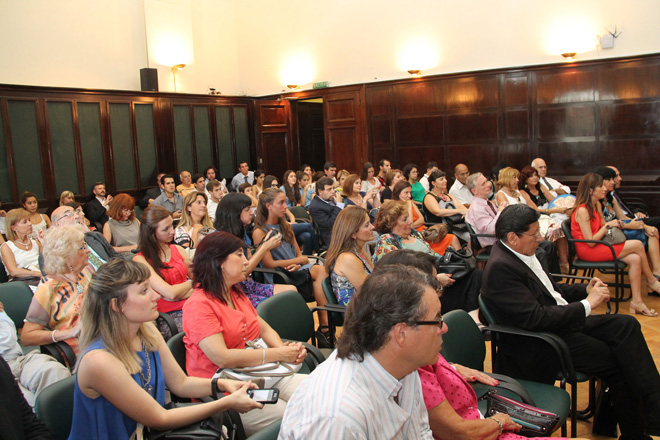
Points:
point(613, 348)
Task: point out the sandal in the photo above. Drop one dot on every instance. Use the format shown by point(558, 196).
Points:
point(323, 337)
point(642, 309)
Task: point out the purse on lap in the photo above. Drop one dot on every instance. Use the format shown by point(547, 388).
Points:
point(265, 376)
point(535, 422)
point(614, 235)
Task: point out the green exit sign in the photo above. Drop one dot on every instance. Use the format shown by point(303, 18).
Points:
point(321, 85)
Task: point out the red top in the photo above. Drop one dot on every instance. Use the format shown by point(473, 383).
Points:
point(175, 273)
point(204, 316)
point(599, 252)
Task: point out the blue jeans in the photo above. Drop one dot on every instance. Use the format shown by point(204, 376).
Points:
point(305, 234)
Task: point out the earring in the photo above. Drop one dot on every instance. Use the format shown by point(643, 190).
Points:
point(70, 268)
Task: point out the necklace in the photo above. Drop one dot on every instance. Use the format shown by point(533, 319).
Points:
point(146, 381)
point(166, 257)
point(79, 288)
point(25, 244)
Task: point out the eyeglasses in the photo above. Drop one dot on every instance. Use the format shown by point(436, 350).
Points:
point(84, 247)
point(439, 322)
point(537, 235)
point(68, 214)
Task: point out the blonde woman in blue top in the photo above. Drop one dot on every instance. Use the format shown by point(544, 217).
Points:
point(125, 363)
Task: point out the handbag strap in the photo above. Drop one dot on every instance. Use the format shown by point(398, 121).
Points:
point(509, 383)
point(265, 372)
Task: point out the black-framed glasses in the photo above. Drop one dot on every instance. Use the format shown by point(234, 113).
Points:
point(439, 322)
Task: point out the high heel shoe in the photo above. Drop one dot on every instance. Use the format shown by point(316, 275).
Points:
point(642, 309)
point(654, 286)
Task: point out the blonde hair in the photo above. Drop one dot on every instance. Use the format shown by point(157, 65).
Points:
point(14, 216)
point(61, 244)
point(64, 195)
point(186, 219)
point(101, 315)
point(509, 178)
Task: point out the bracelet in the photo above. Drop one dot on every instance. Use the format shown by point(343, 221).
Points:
point(263, 356)
point(499, 423)
point(52, 335)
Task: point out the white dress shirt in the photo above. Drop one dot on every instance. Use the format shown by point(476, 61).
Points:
point(461, 192)
point(533, 263)
point(346, 399)
point(553, 184)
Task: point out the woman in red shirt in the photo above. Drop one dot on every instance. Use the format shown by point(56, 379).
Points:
point(168, 263)
point(219, 320)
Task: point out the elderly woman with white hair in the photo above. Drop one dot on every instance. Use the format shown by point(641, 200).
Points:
point(53, 313)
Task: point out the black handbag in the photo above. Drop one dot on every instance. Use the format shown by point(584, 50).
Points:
point(303, 281)
point(218, 426)
point(458, 263)
point(535, 422)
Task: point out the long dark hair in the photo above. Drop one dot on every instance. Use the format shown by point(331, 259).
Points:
point(228, 214)
point(398, 188)
point(261, 219)
point(588, 182)
point(207, 271)
point(292, 192)
point(148, 243)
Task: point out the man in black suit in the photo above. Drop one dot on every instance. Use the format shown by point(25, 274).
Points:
point(153, 193)
point(325, 207)
point(96, 209)
point(519, 293)
point(628, 211)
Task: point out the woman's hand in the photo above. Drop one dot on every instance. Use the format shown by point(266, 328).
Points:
point(471, 375)
point(650, 231)
point(288, 353)
point(507, 423)
point(239, 400)
point(302, 351)
point(272, 240)
point(293, 267)
point(613, 224)
point(445, 279)
point(231, 386)
point(73, 332)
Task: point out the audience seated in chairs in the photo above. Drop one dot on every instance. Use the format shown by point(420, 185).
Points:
point(20, 253)
point(270, 216)
point(369, 181)
point(587, 222)
point(442, 207)
point(305, 188)
point(168, 263)
point(195, 222)
point(212, 317)
point(393, 223)
point(347, 263)
point(40, 222)
point(290, 188)
point(352, 194)
point(325, 208)
point(519, 292)
point(391, 178)
point(122, 228)
point(411, 175)
point(234, 215)
point(96, 209)
point(34, 371)
point(403, 192)
point(66, 197)
point(125, 363)
point(186, 185)
point(169, 199)
point(246, 188)
point(258, 187)
point(54, 312)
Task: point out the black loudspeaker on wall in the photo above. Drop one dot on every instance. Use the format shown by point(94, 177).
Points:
point(149, 79)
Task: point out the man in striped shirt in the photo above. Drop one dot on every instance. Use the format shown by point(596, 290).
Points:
point(369, 387)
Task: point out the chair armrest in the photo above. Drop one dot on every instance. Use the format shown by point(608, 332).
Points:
point(302, 220)
point(169, 322)
point(62, 352)
point(330, 308)
point(318, 258)
point(578, 240)
point(570, 277)
point(282, 275)
point(554, 341)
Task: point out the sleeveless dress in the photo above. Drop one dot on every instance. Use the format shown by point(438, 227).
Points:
point(175, 273)
point(341, 285)
point(100, 419)
point(24, 259)
point(599, 252)
point(432, 218)
point(124, 233)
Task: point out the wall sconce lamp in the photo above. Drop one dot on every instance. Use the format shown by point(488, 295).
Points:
point(174, 69)
point(293, 86)
point(415, 72)
point(569, 55)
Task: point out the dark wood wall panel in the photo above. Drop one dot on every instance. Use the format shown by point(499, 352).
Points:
point(576, 116)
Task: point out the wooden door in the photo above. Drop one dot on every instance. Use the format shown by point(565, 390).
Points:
point(274, 137)
point(344, 133)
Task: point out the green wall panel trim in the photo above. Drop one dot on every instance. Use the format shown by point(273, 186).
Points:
point(5, 187)
point(223, 129)
point(122, 146)
point(146, 143)
point(242, 137)
point(203, 137)
point(60, 123)
point(91, 143)
point(25, 143)
point(183, 139)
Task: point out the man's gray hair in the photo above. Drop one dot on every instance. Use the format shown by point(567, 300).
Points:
point(471, 181)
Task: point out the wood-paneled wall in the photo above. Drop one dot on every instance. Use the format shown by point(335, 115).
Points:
point(55, 139)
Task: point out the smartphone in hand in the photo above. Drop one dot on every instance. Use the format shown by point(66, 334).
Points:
point(268, 395)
